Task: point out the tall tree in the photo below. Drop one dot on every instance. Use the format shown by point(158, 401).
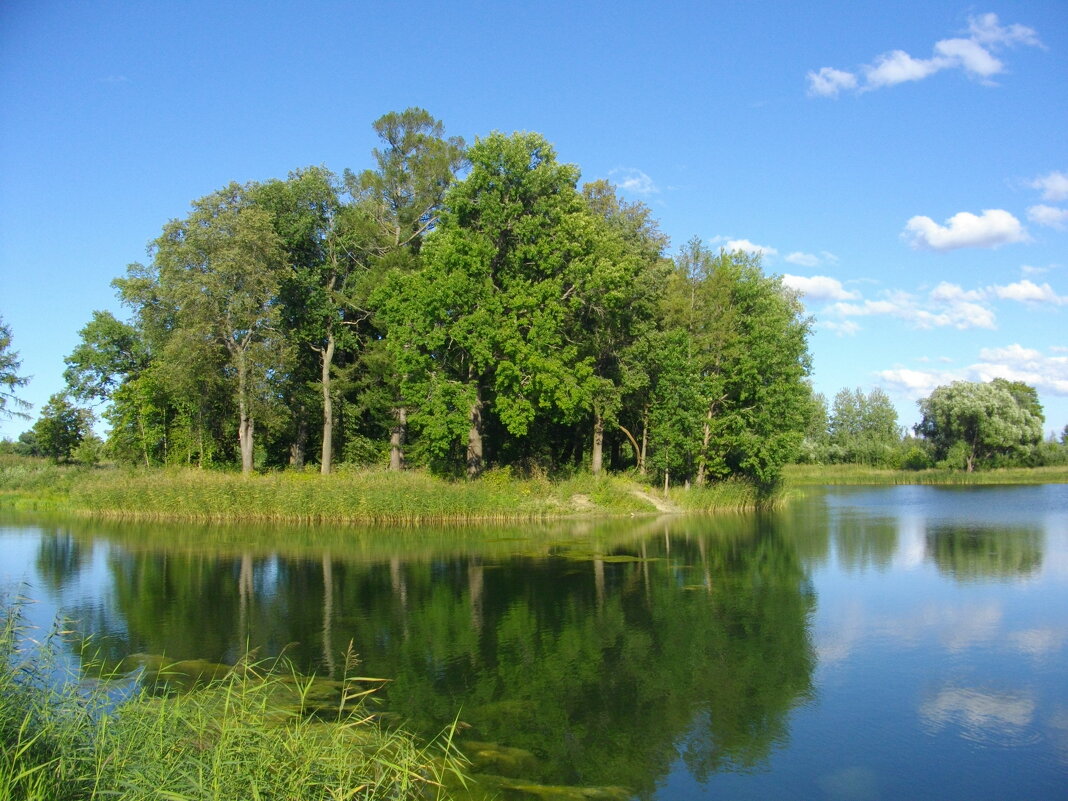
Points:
point(213, 283)
point(415, 168)
point(749, 337)
point(10, 380)
point(620, 294)
point(482, 328)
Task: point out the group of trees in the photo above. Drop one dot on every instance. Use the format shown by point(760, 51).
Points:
point(452, 307)
point(964, 425)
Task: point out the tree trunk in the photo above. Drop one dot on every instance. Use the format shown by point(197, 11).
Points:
point(396, 439)
point(645, 441)
point(326, 460)
point(597, 457)
point(703, 461)
point(474, 438)
point(245, 432)
point(299, 447)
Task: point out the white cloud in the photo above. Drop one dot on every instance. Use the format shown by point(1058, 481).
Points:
point(1053, 186)
point(1048, 374)
point(1029, 269)
point(819, 287)
point(973, 55)
point(898, 67)
point(946, 306)
point(970, 56)
point(803, 259)
point(751, 247)
point(1028, 292)
point(828, 82)
point(991, 229)
point(986, 29)
point(1048, 215)
point(630, 179)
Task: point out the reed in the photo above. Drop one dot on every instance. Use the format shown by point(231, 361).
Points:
point(811, 475)
point(261, 731)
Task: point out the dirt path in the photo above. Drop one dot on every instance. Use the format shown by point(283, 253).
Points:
point(661, 504)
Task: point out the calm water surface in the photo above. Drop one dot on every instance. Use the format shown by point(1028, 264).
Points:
point(891, 643)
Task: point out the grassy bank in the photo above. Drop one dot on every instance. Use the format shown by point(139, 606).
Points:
point(811, 475)
point(368, 496)
point(257, 732)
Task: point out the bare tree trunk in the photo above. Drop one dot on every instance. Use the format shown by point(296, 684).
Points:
point(246, 427)
point(474, 438)
point(597, 456)
point(396, 439)
point(702, 462)
point(645, 441)
point(299, 446)
point(326, 460)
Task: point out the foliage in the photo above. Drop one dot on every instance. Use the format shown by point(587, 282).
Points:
point(502, 319)
point(60, 428)
point(259, 731)
point(10, 380)
point(974, 424)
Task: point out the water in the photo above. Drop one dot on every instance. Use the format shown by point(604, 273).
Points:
point(904, 642)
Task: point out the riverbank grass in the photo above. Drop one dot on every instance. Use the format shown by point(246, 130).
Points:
point(853, 474)
point(366, 496)
point(260, 731)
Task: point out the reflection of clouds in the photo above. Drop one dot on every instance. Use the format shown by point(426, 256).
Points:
point(957, 629)
point(911, 542)
point(1058, 731)
point(1037, 642)
point(984, 717)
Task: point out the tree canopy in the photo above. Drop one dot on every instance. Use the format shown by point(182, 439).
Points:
point(10, 380)
point(453, 308)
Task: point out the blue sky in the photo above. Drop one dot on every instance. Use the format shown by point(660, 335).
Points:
point(905, 164)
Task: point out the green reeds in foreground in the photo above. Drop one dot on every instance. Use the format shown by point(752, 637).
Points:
point(253, 734)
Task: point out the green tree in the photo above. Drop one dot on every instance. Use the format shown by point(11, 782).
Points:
point(211, 289)
point(863, 427)
point(10, 380)
point(483, 326)
point(981, 421)
point(415, 167)
point(110, 352)
point(60, 428)
point(749, 338)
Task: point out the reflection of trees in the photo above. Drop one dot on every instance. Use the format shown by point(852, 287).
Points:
point(60, 557)
point(605, 653)
point(862, 542)
point(979, 552)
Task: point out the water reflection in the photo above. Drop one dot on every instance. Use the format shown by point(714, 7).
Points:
point(977, 552)
point(601, 652)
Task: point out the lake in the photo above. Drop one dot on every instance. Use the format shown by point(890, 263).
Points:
point(862, 643)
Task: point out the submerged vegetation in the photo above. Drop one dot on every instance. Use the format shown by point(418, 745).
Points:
point(260, 730)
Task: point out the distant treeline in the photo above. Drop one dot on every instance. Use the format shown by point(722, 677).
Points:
point(965, 425)
point(453, 308)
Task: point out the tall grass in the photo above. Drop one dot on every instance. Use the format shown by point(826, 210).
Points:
point(809, 475)
point(260, 732)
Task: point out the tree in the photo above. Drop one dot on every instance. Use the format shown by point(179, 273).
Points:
point(863, 427)
point(10, 380)
point(212, 287)
point(748, 338)
point(109, 353)
point(980, 421)
point(483, 326)
point(415, 168)
point(60, 428)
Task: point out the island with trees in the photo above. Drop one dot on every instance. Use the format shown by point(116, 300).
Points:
point(455, 309)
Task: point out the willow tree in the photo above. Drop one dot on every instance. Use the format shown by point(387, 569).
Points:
point(213, 281)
